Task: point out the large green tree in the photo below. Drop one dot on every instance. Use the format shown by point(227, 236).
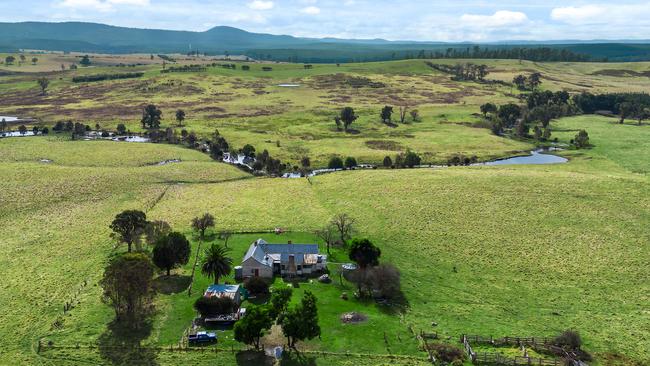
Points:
point(180, 117)
point(151, 117)
point(364, 253)
point(203, 223)
point(127, 285)
point(347, 117)
point(251, 327)
point(301, 322)
point(128, 227)
point(216, 262)
point(386, 114)
point(171, 251)
point(279, 302)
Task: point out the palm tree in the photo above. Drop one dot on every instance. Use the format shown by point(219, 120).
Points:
point(216, 262)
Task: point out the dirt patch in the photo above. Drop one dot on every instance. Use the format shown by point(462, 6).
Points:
point(621, 73)
point(385, 145)
point(353, 318)
point(342, 80)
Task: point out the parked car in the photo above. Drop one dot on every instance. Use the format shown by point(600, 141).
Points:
point(202, 338)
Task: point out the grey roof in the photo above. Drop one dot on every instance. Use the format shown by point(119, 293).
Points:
point(266, 253)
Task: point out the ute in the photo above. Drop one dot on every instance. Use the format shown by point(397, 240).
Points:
point(201, 338)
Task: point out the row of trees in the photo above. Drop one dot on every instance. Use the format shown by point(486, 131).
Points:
point(128, 277)
point(347, 116)
point(298, 323)
point(625, 105)
point(515, 53)
point(10, 59)
point(463, 72)
point(531, 82)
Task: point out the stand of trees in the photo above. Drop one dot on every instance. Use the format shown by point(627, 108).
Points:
point(463, 72)
point(531, 82)
point(102, 77)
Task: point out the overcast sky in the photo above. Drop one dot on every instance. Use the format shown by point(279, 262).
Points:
point(422, 20)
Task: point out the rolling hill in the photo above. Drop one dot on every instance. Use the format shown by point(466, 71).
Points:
point(101, 38)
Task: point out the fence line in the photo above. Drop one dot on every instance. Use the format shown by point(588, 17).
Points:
point(496, 358)
point(43, 346)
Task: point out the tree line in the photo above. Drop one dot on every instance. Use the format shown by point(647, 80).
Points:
point(102, 77)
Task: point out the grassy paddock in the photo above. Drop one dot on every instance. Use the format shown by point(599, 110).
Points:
point(509, 250)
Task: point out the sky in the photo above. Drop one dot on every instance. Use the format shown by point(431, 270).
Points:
point(417, 20)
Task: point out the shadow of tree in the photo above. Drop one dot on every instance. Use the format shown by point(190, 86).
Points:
point(120, 344)
point(297, 359)
point(253, 358)
point(172, 284)
point(398, 304)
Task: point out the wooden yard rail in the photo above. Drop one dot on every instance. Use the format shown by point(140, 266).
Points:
point(491, 358)
point(496, 358)
point(515, 341)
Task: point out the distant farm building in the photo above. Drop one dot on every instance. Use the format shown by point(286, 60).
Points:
point(267, 260)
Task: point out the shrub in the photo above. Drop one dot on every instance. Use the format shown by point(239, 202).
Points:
point(388, 162)
point(448, 353)
point(256, 286)
point(210, 306)
point(569, 339)
point(102, 77)
point(350, 162)
point(385, 281)
point(581, 140)
point(335, 163)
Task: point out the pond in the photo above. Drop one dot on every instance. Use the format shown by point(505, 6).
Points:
point(16, 134)
point(536, 157)
point(9, 118)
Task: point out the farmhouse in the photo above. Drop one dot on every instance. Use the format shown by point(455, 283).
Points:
point(267, 260)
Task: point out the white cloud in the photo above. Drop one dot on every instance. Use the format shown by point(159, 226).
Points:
point(87, 4)
point(311, 10)
point(261, 5)
point(578, 15)
point(101, 5)
point(130, 2)
point(501, 18)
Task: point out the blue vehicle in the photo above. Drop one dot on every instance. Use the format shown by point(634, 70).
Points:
point(202, 338)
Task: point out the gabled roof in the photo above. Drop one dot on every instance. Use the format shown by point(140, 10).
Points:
point(231, 291)
point(218, 288)
point(265, 253)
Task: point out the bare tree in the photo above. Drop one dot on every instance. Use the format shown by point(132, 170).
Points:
point(225, 235)
point(43, 83)
point(344, 224)
point(403, 110)
point(328, 234)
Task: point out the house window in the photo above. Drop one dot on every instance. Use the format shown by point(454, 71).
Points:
point(253, 271)
point(299, 267)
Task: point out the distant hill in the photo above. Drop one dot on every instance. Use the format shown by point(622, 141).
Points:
point(92, 37)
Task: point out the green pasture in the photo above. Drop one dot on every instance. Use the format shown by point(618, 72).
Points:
point(508, 250)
